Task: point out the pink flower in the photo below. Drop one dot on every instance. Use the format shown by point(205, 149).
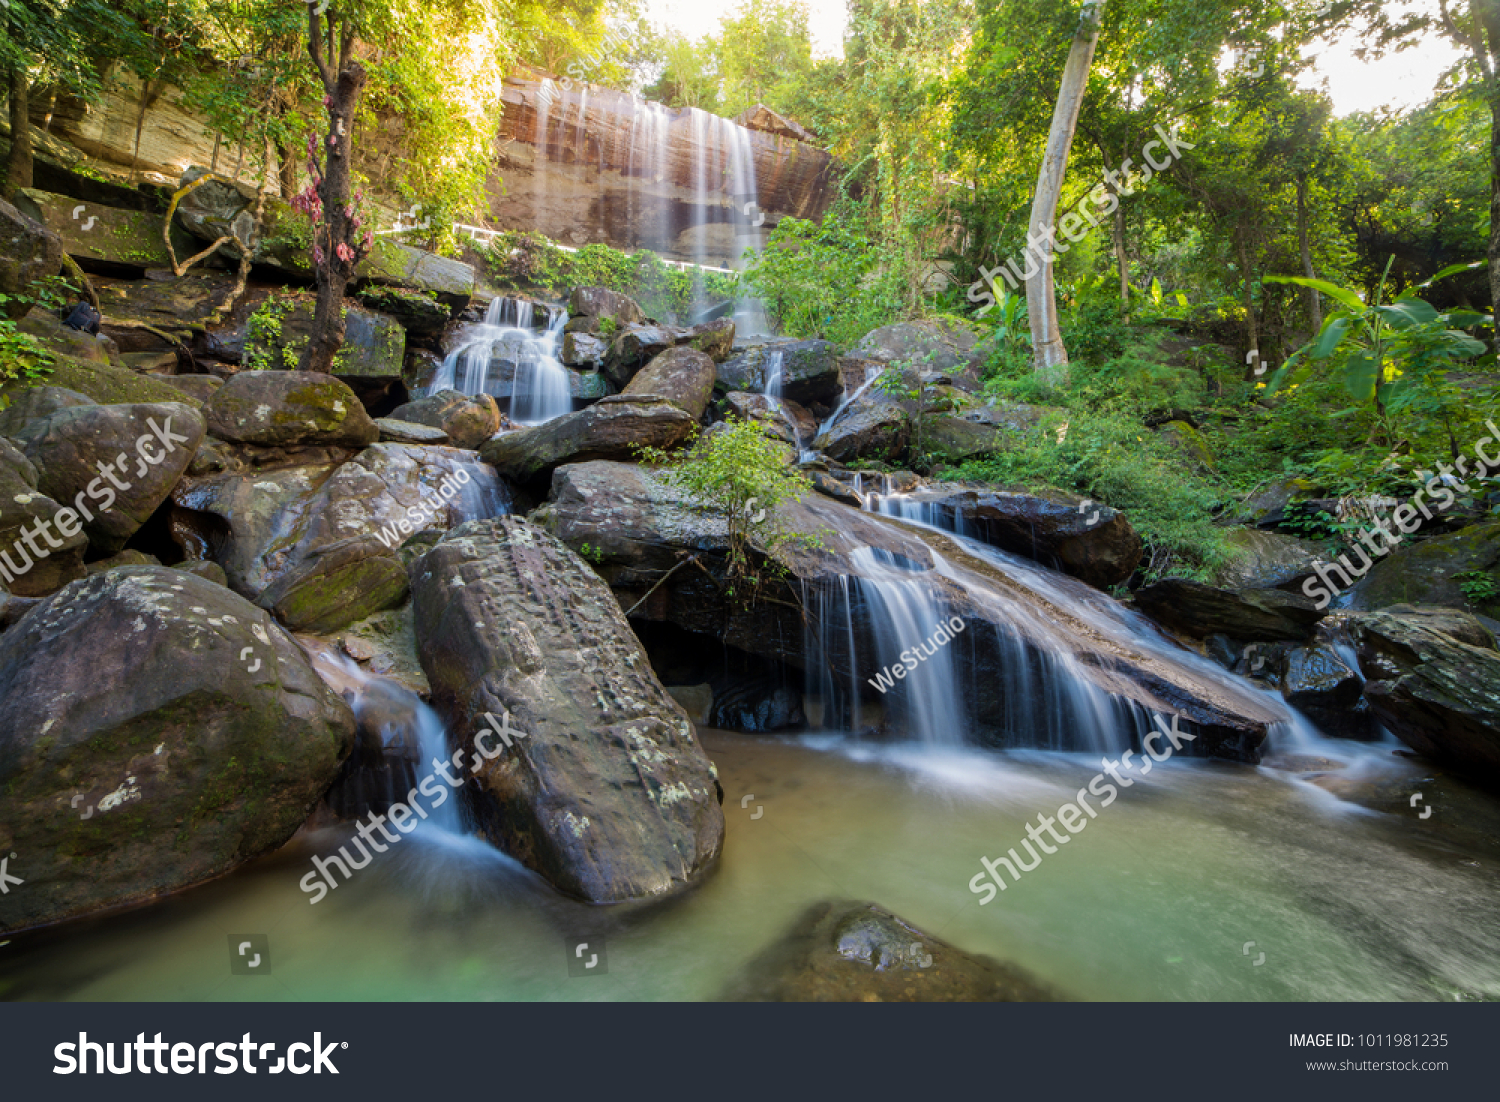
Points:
point(369, 240)
point(346, 254)
point(318, 255)
point(332, 141)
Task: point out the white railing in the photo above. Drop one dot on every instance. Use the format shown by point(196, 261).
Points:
point(487, 237)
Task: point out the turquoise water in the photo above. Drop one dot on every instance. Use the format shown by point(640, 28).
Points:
point(1155, 899)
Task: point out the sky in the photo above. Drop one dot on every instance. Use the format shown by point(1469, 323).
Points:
point(1399, 80)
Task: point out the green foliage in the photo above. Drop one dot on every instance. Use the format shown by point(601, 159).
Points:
point(742, 475)
point(526, 261)
point(265, 346)
point(1110, 456)
point(824, 280)
point(1392, 354)
point(591, 553)
point(1478, 587)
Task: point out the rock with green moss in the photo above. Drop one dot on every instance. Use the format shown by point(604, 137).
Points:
point(192, 726)
point(29, 252)
point(1257, 559)
point(956, 439)
point(604, 790)
point(1428, 572)
point(936, 344)
point(36, 402)
point(1188, 440)
point(107, 238)
point(808, 370)
point(279, 408)
point(47, 329)
point(114, 465)
point(318, 543)
point(104, 384)
point(374, 346)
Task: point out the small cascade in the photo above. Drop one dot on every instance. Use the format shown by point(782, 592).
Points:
point(772, 391)
point(538, 386)
point(871, 374)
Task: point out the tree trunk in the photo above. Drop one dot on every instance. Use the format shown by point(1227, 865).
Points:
point(1254, 365)
point(1314, 303)
point(334, 273)
point(19, 166)
point(1494, 243)
point(1050, 357)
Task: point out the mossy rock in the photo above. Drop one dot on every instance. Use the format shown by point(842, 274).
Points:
point(1423, 573)
point(1188, 440)
point(106, 385)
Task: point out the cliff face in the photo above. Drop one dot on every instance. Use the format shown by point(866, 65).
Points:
point(595, 165)
point(580, 166)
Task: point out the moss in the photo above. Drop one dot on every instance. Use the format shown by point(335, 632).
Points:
point(106, 385)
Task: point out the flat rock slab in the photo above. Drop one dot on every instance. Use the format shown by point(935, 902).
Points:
point(607, 794)
point(860, 952)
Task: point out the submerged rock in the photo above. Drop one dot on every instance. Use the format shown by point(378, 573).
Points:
point(604, 789)
point(158, 731)
point(861, 952)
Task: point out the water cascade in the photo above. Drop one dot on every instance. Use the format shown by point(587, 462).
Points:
point(531, 376)
point(1017, 675)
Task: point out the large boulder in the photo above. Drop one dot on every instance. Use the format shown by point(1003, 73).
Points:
point(636, 346)
point(715, 339)
point(468, 420)
point(605, 790)
point(1090, 541)
point(106, 238)
point(374, 346)
point(871, 427)
point(278, 408)
point(34, 403)
point(29, 252)
point(1195, 609)
point(933, 345)
point(683, 376)
point(1258, 559)
point(318, 543)
point(158, 731)
point(955, 439)
point(860, 952)
point(30, 567)
point(808, 370)
point(105, 383)
point(1422, 573)
point(113, 464)
point(1437, 694)
point(611, 428)
point(601, 302)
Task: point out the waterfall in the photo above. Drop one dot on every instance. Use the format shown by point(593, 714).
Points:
point(871, 374)
point(540, 387)
point(1018, 662)
point(772, 390)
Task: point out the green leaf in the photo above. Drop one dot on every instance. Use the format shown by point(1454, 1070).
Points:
point(1408, 312)
point(1359, 376)
point(1333, 332)
point(1341, 295)
point(1454, 269)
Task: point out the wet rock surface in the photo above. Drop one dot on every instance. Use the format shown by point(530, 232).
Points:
point(607, 794)
point(860, 952)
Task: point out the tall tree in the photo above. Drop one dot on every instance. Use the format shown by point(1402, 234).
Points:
point(1048, 351)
